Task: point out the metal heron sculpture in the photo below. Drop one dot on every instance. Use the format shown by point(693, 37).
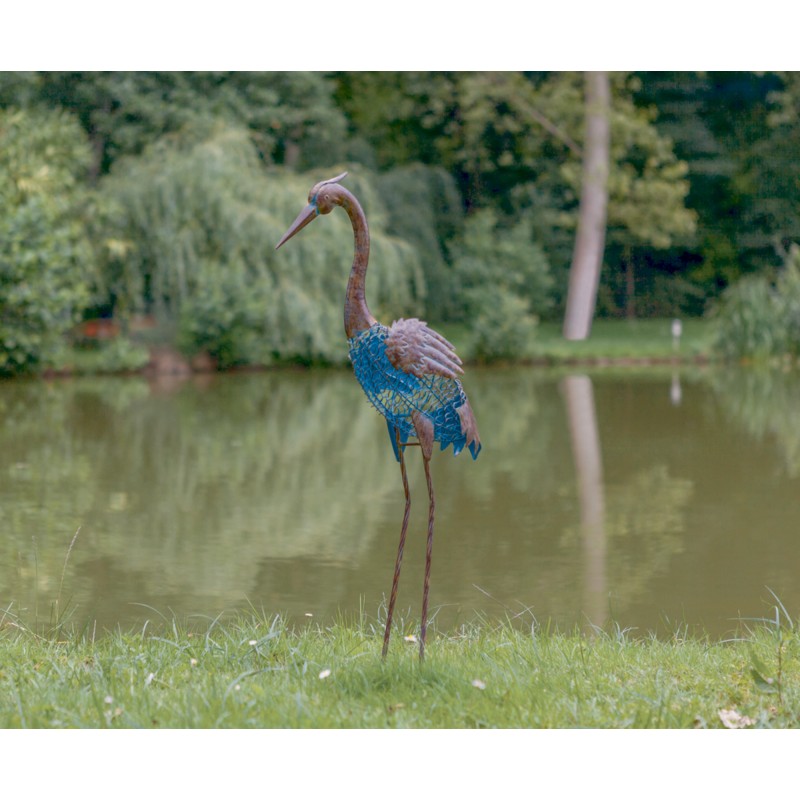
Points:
point(408, 371)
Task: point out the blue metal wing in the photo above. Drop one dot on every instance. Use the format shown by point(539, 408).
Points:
point(398, 392)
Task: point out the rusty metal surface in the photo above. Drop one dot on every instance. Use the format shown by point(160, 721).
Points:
point(409, 372)
point(413, 347)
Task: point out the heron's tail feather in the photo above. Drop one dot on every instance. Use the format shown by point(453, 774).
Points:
point(469, 428)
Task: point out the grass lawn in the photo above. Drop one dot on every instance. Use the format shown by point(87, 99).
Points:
point(611, 341)
point(626, 339)
point(258, 673)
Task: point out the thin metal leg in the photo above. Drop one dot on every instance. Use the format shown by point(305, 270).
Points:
point(428, 554)
point(399, 562)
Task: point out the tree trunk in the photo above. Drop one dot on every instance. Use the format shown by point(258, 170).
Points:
point(584, 274)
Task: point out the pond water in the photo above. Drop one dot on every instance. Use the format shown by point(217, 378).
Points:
point(652, 500)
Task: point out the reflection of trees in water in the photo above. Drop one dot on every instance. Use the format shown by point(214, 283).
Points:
point(282, 485)
point(519, 421)
point(49, 478)
point(628, 533)
point(579, 401)
point(766, 405)
point(644, 525)
point(223, 490)
point(189, 489)
point(492, 513)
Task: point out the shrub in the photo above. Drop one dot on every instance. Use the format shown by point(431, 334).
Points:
point(788, 287)
point(501, 282)
point(760, 320)
point(491, 253)
point(46, 261)
point(503, 326)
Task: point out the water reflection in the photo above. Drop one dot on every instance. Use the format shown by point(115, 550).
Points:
point(597, 498)
point(675, 391)
point(185, 491)
point(579, 398)
point(766, 405)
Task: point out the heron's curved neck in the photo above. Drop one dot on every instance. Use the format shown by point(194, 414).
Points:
point(357, 316)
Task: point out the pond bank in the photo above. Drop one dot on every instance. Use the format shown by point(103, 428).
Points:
point(613, 343)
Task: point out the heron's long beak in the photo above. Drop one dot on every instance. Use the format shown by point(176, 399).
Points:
point(303, 218)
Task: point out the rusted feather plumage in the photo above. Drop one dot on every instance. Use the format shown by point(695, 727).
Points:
point(415, 348)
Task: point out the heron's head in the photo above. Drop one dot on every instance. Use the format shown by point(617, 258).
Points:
point(321, 200)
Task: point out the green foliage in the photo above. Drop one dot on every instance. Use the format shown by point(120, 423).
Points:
point(46, 261)
point(759, 320)
point(192, 240)
point(503, 327)
point(514, 141)
point(490, 253)
point(424, 208)
point(513, 134)
point(648, 184)
point(120, 355)
point(501, 283)
point(738, 133)
point(747, 321)
point(290, 114)
point(402, 115)
point(703, 190)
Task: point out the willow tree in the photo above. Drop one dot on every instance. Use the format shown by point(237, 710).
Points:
point(190, 237)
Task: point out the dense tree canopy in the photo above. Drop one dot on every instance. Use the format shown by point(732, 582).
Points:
point(161, 193)
point(291, 115)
